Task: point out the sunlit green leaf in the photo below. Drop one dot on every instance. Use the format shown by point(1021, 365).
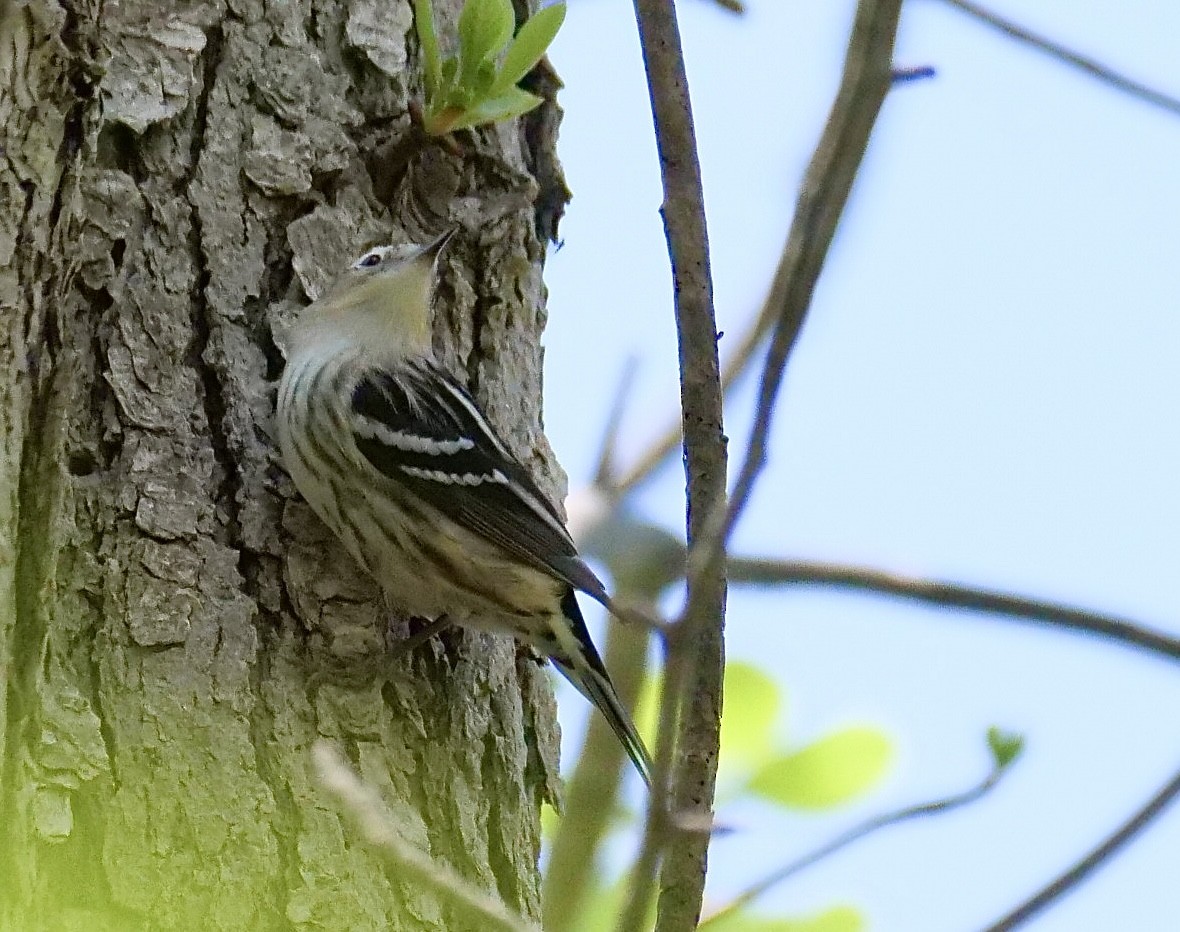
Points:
point(836, 919)
point(529, 45)
point(550, 821)
point(751, 708)
point(647, 709)
point(1005, 746)
point(602, 906)
point(485, 26)
point(752, 712)
point(829, 772)
point(511, 103)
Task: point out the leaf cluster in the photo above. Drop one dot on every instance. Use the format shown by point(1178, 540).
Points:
point(478, 84)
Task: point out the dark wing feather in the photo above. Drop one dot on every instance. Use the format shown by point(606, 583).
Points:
point(423, 431)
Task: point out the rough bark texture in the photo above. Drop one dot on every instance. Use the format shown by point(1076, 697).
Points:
point(176, 628)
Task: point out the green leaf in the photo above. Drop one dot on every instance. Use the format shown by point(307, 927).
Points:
point(448, 78)
point(1005, 746)
point(511, 103)
point(529, 45)
point(752, 702)
point(481, 85)
point(647, 708)
point(828, 773)
point(836, 919)
point(428, 40)
point(603, 904)
point(550, 822)
point(485, 26)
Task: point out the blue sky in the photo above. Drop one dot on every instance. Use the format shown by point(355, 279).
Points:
point(986, 390)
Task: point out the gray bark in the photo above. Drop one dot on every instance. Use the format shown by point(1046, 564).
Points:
point(176, 628)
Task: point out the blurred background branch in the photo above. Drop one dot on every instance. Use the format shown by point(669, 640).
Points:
point(1089, 66)
point(1000, 766)
point(1087, 865)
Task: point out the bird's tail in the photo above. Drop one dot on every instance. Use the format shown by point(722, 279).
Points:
point(583, 667)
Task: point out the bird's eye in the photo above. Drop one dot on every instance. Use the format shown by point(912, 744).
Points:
point(369, 261)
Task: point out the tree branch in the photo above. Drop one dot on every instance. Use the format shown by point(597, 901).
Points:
point(868, 75)
point(749, 342)
point(1094, 69)
point(954, 595)
point(1094, 859)
point(692, 698)
point(867, 78)
point(856, 833)
point(604, 471)
point(364, 805)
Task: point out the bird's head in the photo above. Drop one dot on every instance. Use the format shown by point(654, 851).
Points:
point(382, 298)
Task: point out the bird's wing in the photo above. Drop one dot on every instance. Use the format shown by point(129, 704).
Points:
point(422, 430)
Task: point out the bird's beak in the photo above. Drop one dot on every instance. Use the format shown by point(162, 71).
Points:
point(431, 251)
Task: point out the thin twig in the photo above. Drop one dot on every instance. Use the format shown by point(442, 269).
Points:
point(735, 366)
point(868, 76)
point(1094, 859)
point(605, 470)
point(748, 343)
point(954, 595)
point(1094, 69)
point(359, 800)
point(856, 833)
point(913, 73)
point(692, 678)
point(866, 81)
point(668, 440)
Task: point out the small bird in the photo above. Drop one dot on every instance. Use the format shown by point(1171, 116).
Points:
point(397, 459)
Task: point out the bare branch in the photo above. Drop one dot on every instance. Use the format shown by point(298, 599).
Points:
point(1091, 861)
point(954, 595)
point(868, 75)
point(913, 73)
point(646, 558)
point(867, 78)
point(749, 342)
point(856, 833)
point(604, 472)
point(363, 804)
point(692, 699)
point(735, 366)
point(1094, 69)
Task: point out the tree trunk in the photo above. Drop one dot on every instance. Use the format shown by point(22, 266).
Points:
point(176, 628)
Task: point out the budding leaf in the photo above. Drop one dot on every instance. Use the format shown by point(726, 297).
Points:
point(507, 105)
point(471, 89)
point(485, 26)
point(529, 45)
point(1005, 746)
